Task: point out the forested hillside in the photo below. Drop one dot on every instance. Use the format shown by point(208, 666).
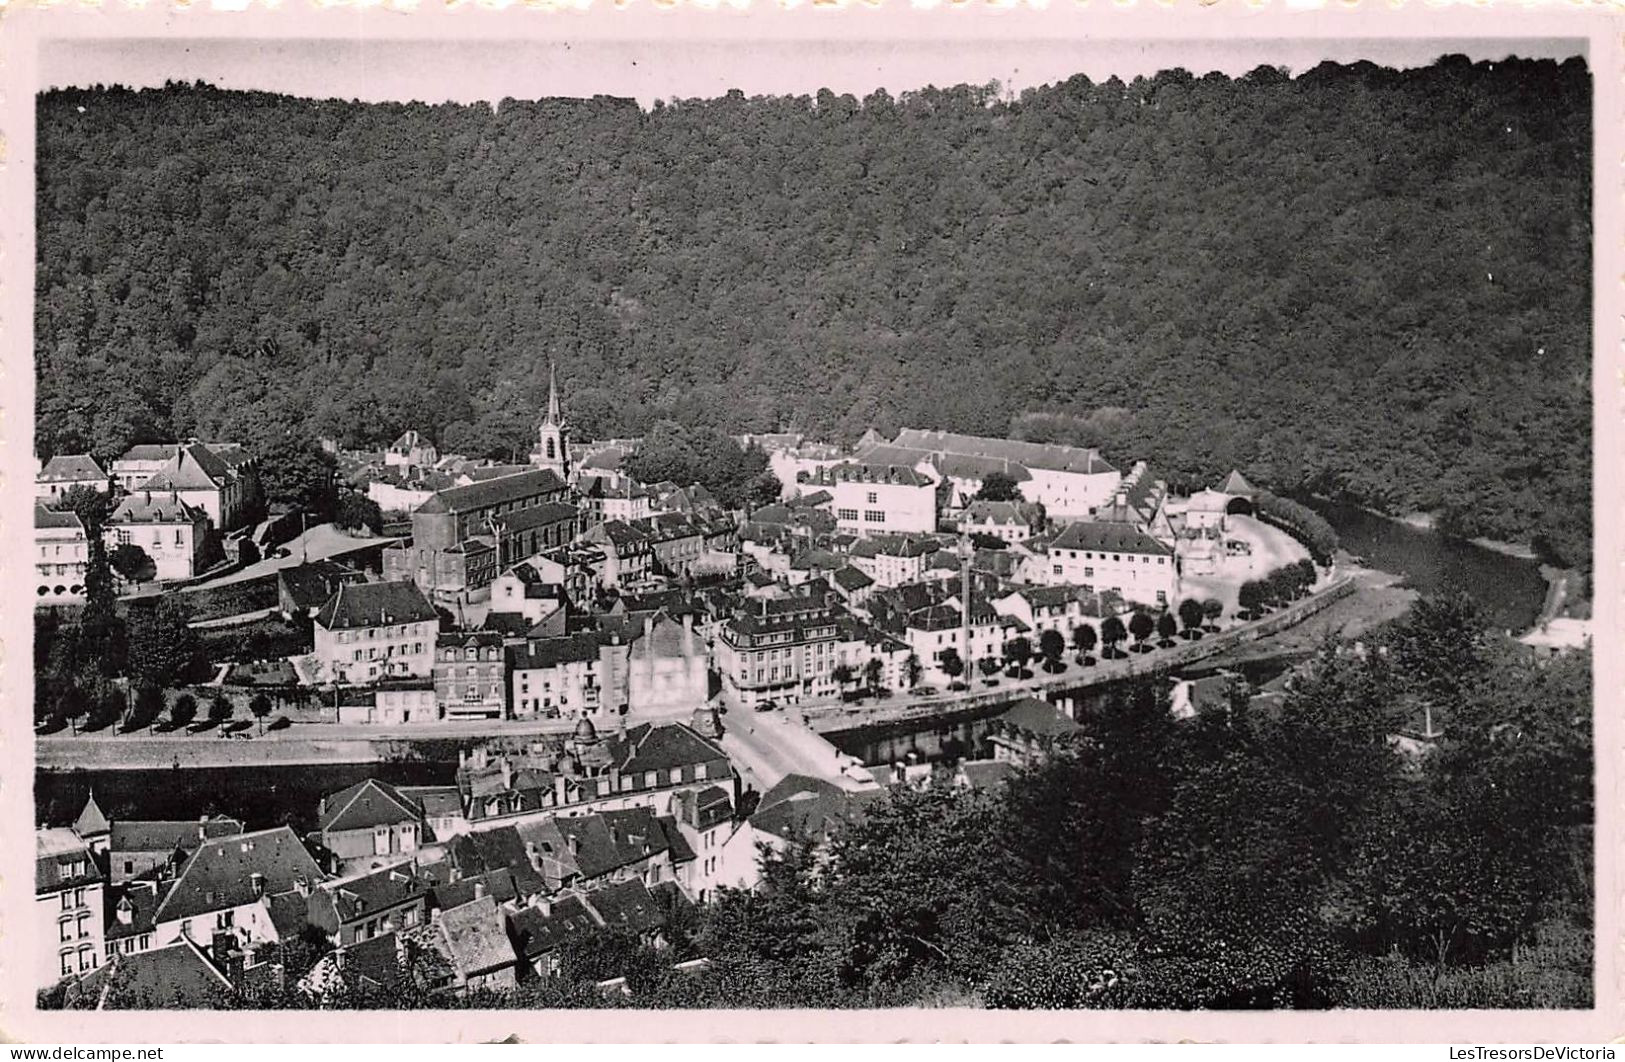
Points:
point(1357, 278)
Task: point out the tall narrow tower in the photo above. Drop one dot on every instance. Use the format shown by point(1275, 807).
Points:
point(552, 437)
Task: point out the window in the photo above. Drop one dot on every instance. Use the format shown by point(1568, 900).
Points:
point(874, 516)
point(129, 866)
point(650, 780)
point(67, 964)
point(846, 514)
point(872, 499)
point(676, 775)
point(1056, 569)
point(63, 929)
point(146, 941)
point(82, 926)
point(1088, 573)
point(224, 919)
point(67, 900)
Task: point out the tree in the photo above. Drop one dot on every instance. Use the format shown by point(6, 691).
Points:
point(989, 666)
point(1190, 614)
point(1250, 598)
point(183, 711)
point(132, 562)
point(260, 706)
point(1167, 627)
point(297, 473)
point(872, 670)
point(998, 486)
point(220, 708)
point(92, 506)
point(951, 663)
point(983, 540)
point(71, 706)
point(1112, 634)
point(1212, 609)
point(843, 675)
point(356, 512)
point(149, 705)
point(1017, 651)
point(1141, 625)
point(1052, 646)
point(913, 670)
point(163, 646)
point(1084, 638)
point(764, 489)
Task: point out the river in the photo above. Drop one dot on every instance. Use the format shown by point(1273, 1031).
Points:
point(1509, 589)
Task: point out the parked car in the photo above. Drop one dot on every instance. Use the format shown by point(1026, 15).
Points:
point(767, 706)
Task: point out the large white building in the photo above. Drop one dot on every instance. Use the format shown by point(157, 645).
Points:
point(1101, 557)
point(1069, 481)
point(371, 631)
point(878, 499)
point(163, 526)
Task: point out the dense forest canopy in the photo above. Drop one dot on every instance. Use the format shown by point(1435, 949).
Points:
point(1358, 279)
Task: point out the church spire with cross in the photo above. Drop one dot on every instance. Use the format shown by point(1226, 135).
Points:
point(552, 439)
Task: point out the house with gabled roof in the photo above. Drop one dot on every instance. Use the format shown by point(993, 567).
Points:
point(177, 975)
point(1119, 558)
point(370, 631)
point(224, 888)
point(63, 472)
point(1069, 481)
point(370, 903)
point(1009, 521)
point(222, 489)
point(474, 940)
point(369, 822)
point(171, 531)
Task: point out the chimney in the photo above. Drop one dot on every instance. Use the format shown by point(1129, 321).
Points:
point(256, 882)
point(1122, 499)
point(301, 886)
point(479, 890)
point(533, 855)
point(575, 845)
point(544, 904)
point(126, 913)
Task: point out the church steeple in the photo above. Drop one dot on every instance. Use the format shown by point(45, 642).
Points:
point(553, 415)
point(552, 439)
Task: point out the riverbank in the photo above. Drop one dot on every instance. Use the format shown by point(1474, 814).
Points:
point(1429, 522)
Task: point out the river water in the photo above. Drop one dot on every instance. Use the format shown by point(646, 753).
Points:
point(1509, 589)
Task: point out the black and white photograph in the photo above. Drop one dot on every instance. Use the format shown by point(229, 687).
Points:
point(1028, 524)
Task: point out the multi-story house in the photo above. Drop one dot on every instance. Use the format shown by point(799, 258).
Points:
point(628, 554)
point(647, 765)
point(411, 452)
point(141, 462)
point(1011, 522)
point(875, 499)
point(603, 848)
point(560, 677)
point(64, 472)
point(667, 670)
point(167, 528)
point(1049, 608)
point(470, 675)
point(892, 560)
point(617, 497)
point(676, 539)
point(783, 650)
point(371, 631)
point(532, 590)
point(369, 903)
point(226, 885)
point(369, 823)
point(1120, 558)
point(61, 556)
point(932, 631)
point(221, 480)
point(388, 701)
point(705, 819)
point(454, 534)
point(68, 907)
